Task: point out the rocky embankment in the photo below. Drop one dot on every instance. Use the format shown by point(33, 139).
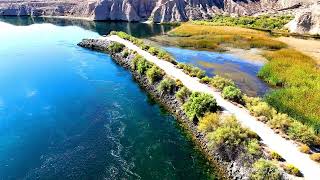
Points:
point(232, 170)
point(238, 168)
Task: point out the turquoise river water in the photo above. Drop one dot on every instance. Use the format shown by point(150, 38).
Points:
point(70, 113)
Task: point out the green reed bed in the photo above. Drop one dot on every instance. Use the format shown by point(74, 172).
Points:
point(299, 77)
point(218, 37)
point(259, 22)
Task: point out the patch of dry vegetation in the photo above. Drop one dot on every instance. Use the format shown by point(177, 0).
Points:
point(215, 38)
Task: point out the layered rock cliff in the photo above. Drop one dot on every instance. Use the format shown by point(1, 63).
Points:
point(155, 10)
point(306, 21)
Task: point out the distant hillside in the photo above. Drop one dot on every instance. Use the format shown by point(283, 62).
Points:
point(155, 10)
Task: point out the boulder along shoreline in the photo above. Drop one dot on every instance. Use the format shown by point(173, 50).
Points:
point(225, 169)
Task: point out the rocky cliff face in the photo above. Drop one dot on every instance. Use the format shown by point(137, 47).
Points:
point(306, 21)
point(156, 10)
point(138, 10)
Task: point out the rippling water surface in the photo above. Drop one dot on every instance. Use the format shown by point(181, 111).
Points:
point(70, 113)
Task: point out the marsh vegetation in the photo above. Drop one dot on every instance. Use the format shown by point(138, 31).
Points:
point(295, 75)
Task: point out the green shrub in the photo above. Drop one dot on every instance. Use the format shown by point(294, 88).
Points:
point(251, 101)
point(220, 82)
point(265, 170)
point(274, 155)
point(134, 62)
point(115, 47)
point(262, 109)
point(304, 149)
point(165, 56)
point(280, 121)
point(145, 47)
point(191, 70)
point(128, 37)
point(302, 133)
point(199, 104)
point(315, 157)
point(232, 93)
point(253, 147)
point(167, 85)
point(125, 53)
point(205, 80)
point(154, 74)
point(179, 83)
point(229, 134)
point(143, 65)
point(209, 122)
point(183, 94)
point(153, 51)
point(291, 169)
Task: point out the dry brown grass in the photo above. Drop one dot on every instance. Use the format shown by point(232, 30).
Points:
point(216, 37)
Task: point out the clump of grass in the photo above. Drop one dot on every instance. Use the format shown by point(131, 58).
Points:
point(209, 123)
point(291, 169)
point(125, 53)
point(274, 155)
point(206, 80)
point(232, 93)
point(280, 121)
point(220, 82)
point(304, 149)
point(262, 109)
point(315, 157)
point(115, 47)
point(154, 74)
point(191, 70)
point(183, 94)
point(263, 169)
point(253, 147)
point(302, 133)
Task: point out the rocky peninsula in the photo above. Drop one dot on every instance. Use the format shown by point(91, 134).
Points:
point(238, 166)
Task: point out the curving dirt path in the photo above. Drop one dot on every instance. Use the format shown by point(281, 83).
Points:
point(286, 148)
